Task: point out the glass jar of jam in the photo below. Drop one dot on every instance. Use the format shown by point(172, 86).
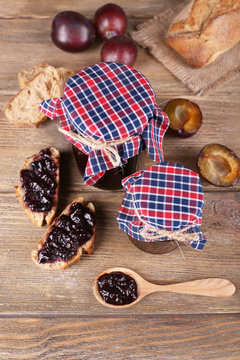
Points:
point(162, 208)
point(156, 247)
point(112, 179)
point(109, 114)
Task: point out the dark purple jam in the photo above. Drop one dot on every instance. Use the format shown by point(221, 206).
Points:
point(39, 182)
point(155, 247)
point(117, 288)
point(67, 234)
point(112, 179)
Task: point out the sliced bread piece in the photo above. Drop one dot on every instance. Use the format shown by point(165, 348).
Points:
point(23, 109)
point(64, 74)
point(71, 234)
point(39, 186)
point(28, 74)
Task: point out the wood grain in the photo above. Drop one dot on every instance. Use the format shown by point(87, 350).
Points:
point(43, 9)
point(26, 290)
point(70, 291)
point(220, 109)
point(167, 337)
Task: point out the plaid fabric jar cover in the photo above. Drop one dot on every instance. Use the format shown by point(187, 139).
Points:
point(111, 105)
point(166, 196)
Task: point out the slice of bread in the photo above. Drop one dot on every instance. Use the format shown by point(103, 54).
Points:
point(64, 74)
point(23, 109)
point(87, 247)
point(40, 218)
point(27, 75)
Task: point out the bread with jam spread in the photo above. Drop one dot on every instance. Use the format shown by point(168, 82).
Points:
point(39, 218)
point(55, 254)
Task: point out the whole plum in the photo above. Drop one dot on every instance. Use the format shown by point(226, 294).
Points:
point(72, 32)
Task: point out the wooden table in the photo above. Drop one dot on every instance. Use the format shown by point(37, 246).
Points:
point(54, 315)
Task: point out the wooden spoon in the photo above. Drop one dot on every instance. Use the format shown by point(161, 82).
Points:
point(214, 287)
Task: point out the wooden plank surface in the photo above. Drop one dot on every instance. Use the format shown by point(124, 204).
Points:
point(27, 290)
point(167, 337)
point(70, 291)
point(220, 109)
point(44, 9)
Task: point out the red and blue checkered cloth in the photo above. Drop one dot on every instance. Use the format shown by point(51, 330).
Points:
point(167, 196)
point(108, 102)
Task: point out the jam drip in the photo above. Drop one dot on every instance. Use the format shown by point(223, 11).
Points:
point(39, 182)
point(67, 234)
point(117, 288)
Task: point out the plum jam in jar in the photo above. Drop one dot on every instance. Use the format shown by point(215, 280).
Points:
point(154, 247)
point(162, 208)
point(112, 179)
point(109, 114)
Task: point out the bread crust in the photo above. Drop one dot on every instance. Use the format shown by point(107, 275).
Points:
point(39, 218)
point(87, 247)
point(204, 30)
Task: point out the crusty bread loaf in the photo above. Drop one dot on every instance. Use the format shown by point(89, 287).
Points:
point(39, 218)
point(205, 29)
point(27, 75)
point(87, 247)
point(23, 109)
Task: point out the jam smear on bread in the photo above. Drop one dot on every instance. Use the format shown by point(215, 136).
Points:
point(39, 182)
point(69, 232)
point(39, 186)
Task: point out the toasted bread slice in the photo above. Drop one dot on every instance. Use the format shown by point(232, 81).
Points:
point(27, 75)
point(39, 218)
point(86, 247)
point(23, 109)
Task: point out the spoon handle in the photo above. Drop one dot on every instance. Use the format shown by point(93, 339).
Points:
point(214, 287)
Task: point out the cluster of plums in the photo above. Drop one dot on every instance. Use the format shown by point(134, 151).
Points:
point(73, 32)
